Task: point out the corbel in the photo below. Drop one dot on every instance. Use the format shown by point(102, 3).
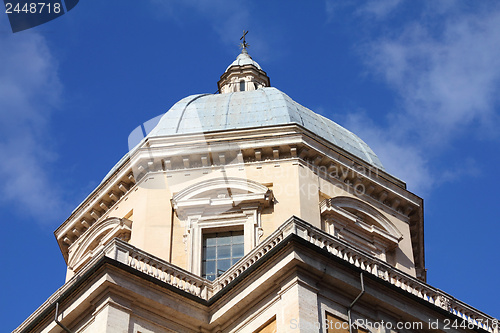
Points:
point(84, 223)
point(95, 214)
point(258, 154)
point(185, 161)
point(317, 160)
point(395, 204)
point(113, 195)
point(131, 177)
point(76, 232)
point(303, 153)
point(167, 164)
point(370, 189)
point(104, 205)
point(276, 153)
point(222, 159)
point(123, 187)
point(204, 160)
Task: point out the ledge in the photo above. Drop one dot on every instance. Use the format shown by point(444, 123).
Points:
point(125, 256)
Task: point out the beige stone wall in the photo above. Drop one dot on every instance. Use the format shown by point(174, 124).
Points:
point(179, 249)
point(298, 190)
point(281, 178)
point(153, 217)
point(296, 289)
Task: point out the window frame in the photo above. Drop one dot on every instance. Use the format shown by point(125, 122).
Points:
point(200, 212)
point(238, 232)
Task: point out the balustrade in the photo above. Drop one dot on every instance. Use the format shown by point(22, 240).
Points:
point(205, 289)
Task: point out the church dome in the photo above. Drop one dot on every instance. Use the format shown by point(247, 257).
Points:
point(263, 107)
point(244, 59)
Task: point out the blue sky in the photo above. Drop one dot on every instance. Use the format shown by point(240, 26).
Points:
point(418, 81)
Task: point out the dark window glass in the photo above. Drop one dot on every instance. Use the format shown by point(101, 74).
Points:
point(242, 85)
point(238, 251)
point(221, 250)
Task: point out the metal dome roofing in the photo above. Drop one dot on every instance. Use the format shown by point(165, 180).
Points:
point(244, 59)
point(258, 108)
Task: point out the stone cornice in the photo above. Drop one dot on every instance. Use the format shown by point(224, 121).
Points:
point(294, 229)
point(246, 147)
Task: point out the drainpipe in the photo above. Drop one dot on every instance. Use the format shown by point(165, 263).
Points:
point(354, 302)
point(58, 322)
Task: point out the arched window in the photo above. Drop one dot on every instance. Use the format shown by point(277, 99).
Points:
point(360, 224)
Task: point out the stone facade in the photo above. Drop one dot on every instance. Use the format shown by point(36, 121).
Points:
point(329, 238)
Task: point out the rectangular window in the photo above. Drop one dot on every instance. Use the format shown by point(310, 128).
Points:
point(221, 250)
point(335, 324)
point(269, 327)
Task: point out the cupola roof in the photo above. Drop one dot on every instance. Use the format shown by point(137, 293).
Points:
point(244, 59)
point(243, 74)
point(259, 108)
point(247, 101)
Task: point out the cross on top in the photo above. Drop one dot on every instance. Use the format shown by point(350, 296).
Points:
point(244, 44)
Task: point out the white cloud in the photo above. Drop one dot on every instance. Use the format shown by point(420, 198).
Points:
point(29, 91)
point(331, 8)
point(445, 82)
point(227, 18)
point(379, 8)
point(446, 75)
point(374, 9)
point(403, 160)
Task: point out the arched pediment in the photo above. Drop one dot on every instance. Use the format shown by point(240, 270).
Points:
point(228, 203)
point(220, 194)
point(353, 206)
point(236, 186)
point(360, 224)
point(94, 239)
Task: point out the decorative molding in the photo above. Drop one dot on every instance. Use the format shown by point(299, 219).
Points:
point(204, 289)
point(295, 144)
point(220, 203)
point(96, 237)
